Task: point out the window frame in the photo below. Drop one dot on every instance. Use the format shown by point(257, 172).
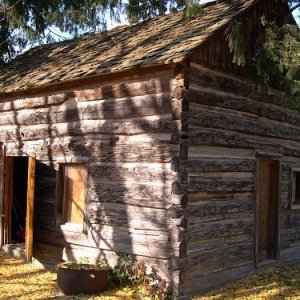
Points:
point(60, 195)
point(293, 203)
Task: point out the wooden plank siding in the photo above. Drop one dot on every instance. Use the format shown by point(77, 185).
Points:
point(124, 132)
point(227, 121)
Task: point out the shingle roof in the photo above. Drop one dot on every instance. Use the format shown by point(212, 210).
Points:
point(161, 40)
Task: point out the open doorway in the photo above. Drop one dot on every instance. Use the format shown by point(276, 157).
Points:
point(18, 206)
point(19, 199)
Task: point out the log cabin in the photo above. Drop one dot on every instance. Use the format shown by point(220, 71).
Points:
point(148, 140)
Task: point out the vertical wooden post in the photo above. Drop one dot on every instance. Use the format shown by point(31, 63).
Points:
point(8, 193)
point(29, 209)
point(2, 170)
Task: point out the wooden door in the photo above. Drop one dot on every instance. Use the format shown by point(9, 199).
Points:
point(29, 209)
point(267, 210)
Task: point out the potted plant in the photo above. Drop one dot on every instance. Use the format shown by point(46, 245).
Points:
point(74, 278)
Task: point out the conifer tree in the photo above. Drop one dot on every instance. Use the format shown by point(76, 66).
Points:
point(31, 21)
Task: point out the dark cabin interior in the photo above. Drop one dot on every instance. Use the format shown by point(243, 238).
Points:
point(19, 199)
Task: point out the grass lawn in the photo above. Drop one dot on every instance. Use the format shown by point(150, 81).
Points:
point(19, 280)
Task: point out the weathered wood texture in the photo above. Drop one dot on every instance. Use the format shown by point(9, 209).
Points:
point(124, 132)
point(229, 121)
point(215, 51)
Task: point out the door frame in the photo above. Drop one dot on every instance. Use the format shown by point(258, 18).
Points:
point(276, 158)
point(6, 202)
point(2, 161)
point(30, 208)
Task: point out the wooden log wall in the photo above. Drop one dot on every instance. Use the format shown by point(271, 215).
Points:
point(229, 121)
point(128, 134)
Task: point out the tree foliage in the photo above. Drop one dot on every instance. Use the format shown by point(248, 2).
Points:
point(25, 22)
point(274, 57)
point(138, 10)
point(29, 21)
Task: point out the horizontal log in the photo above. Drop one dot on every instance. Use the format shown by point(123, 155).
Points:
point(123, 233)
point(224, 254)
point(290, 236)
point(202, 282)
point(135, 126)
point(212, 229)
point(219, 165)
point(139, 172)
point(72, 110)
point(158, 249)
point(196, 152)
point(220, 81)
point(131, 152)
point(223, 182)
point(291, 255)
point(116, 214)
point(230, 139)
point(77, 253)
point(228, 120)
point(154, 148)
point(206, 245)
point(200, 197)
point(211, 208)
point(289, 161)
point(132, 193)
point(290, 219)
point(125, 89)
point(212, 97)
point(154, 84)
point(39, 101)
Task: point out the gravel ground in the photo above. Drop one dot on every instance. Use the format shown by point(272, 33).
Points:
point(19, 280)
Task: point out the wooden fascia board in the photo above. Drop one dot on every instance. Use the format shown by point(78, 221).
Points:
point(103, 78)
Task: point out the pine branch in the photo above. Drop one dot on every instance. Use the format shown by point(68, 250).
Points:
point(5, 8)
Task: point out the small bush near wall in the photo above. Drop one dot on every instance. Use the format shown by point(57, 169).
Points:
point(128, 272)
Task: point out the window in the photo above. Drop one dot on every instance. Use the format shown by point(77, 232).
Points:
point(295, 199)
point(72, 181)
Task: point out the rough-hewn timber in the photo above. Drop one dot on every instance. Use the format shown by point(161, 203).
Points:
point(229, 123)
point(123, 132)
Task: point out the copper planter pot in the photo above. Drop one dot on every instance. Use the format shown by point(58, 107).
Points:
point(86, 281)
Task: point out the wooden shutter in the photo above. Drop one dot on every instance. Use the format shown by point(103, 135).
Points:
point(29, 208)
point(74, 193)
